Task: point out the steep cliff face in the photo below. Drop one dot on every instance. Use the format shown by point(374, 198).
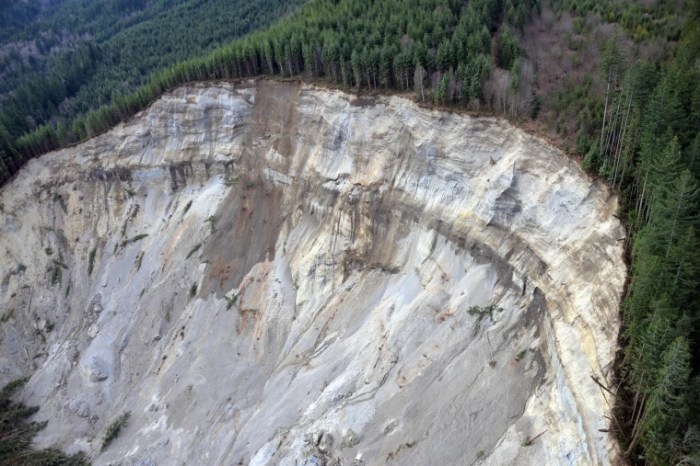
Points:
point(273, 273)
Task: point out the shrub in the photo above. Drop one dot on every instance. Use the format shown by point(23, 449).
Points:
point(230, 302)
point(212, 222)
point(7, 316)
point(16, 434)
point(483, 311)
point(187, 207)
point(139, 261)
point(91, 260)
point(114, 429)
point(193, 250)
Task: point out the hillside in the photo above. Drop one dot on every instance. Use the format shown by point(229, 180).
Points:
point(614, 84)
point(61, 59)
point(274, 273)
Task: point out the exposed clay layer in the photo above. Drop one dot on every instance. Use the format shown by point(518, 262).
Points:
point(411, 286)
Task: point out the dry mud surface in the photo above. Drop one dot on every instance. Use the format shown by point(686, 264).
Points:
point(274, 273)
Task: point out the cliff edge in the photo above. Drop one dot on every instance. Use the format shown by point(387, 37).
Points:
point(275, 273)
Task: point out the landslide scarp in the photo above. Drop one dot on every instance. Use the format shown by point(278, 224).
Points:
point(270, 273)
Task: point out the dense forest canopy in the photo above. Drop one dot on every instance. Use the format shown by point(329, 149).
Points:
point(64, 58)
point(616, 83)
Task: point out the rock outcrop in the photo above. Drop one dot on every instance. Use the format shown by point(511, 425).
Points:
point(274, 273)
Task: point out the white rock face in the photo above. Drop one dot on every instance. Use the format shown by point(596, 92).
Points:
point(279, 274)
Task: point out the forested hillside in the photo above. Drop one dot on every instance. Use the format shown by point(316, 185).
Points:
point(63, 58)
point(616, 83)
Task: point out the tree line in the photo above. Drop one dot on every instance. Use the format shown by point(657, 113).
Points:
point(70, 57)
point(649, 149)
point(641, 132)
point(443, 50)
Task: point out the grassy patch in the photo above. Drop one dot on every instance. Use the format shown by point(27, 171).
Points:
point(114, 429)
point(521, 354)
point(231, 181)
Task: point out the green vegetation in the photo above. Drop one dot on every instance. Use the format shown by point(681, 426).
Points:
point(139, 261)
point(483, 311)
point(7, 316)
point(91, 260)
point(648, 148)
point(230, 302)
point(134, 239)
point(521, 354)
point(114, 429)
point(211, 220)
point(626, 101)
point(126, 242)
point(56, 274)
point(16, 434)
point(187, 207)
point(193, 250)
point(64, 58)
point(412, 44)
